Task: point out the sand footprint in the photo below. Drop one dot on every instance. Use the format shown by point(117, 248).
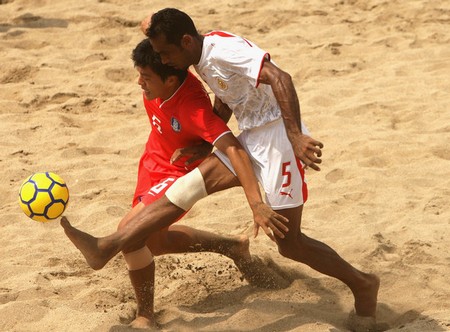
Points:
point(335, 175)
point(19, 74)
point(7, 295)
point(385, 250)
point(62, 97)
point(436, 205)
point(111, 42)
point(443, 153)
point(29, 20)
point(413, 252)
point(120, 74)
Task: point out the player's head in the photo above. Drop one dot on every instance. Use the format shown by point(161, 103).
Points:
point(155, 78)
point(175, 37)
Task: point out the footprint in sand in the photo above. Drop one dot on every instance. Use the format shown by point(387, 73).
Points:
point(443, 153)
point(436, 205)
point(62, 97)
point(335, 175)
point(385, 250)
point(120, 74)
point(20, 74)
point(96, 57)
point(111, 42)
point(28, 20)
point(118, 22)
point(7, 295)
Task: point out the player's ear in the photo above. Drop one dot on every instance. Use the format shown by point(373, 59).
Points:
point(187, 41)
point(172, 80)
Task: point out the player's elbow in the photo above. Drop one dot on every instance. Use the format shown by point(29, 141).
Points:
point(233, 150)
point(285, 79)
point(281, 80)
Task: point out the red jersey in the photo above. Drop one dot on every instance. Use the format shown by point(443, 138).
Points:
point(185, 119)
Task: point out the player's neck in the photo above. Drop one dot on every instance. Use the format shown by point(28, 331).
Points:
point(172, 88)
point(198, 49)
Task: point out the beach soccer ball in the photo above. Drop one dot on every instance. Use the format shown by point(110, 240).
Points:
point(43, 196)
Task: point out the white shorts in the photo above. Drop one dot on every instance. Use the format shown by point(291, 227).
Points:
point(279, 172)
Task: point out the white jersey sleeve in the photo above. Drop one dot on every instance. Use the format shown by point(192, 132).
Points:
point(241, 56)
point(231, 66)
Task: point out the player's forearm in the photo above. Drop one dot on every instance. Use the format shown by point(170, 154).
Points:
point(244, 171)
point(243, 167)
point(222, 110)
point(286, 96)
point(284, 91)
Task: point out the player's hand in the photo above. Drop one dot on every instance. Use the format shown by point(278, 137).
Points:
point(270, 221)
point(308, 150)
point(195, 152)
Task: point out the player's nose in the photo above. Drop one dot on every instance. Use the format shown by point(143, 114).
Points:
point(164, 59)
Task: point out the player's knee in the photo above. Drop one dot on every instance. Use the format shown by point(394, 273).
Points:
point(284, 250)
point(138, 259)
point(290, 247)
point(130, 216)
point(121, 225)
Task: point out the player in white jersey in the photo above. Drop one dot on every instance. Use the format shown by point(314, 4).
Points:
point(244, 80)
point(265, 103)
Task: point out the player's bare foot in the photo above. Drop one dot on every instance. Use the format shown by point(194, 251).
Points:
point(366, 297)
point(254, 269)
point(260, 274)
point(241, 250)
point(357, 323)
point(141, 322)
point(95, 251)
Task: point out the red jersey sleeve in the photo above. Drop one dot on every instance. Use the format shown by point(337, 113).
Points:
point(207, 125)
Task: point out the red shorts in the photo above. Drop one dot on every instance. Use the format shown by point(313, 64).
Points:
point(155, 193)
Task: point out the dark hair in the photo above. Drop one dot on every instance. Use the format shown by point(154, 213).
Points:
point(173, 24)
point(144, 56)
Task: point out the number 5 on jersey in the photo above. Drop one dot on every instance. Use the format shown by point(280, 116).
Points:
point(286, 172)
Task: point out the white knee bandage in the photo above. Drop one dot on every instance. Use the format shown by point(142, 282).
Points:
point(187, 190)
point(138, 259)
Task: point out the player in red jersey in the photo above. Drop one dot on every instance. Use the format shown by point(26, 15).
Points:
point(180, 114)
point(184, 118)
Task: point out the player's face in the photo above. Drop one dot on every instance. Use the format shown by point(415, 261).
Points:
point(171, 54)
point(151, 83)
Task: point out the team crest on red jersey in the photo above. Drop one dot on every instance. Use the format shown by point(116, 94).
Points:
point(176, 126)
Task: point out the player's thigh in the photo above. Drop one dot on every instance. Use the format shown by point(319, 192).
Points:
point(294, 215)
point(216, 175)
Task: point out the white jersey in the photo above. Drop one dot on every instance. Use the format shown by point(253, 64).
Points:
point(231, 66)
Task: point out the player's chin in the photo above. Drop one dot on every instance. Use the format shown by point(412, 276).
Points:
point(149, 95)
point(178, 66)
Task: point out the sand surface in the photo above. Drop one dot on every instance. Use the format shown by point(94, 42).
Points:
point(373, 78)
